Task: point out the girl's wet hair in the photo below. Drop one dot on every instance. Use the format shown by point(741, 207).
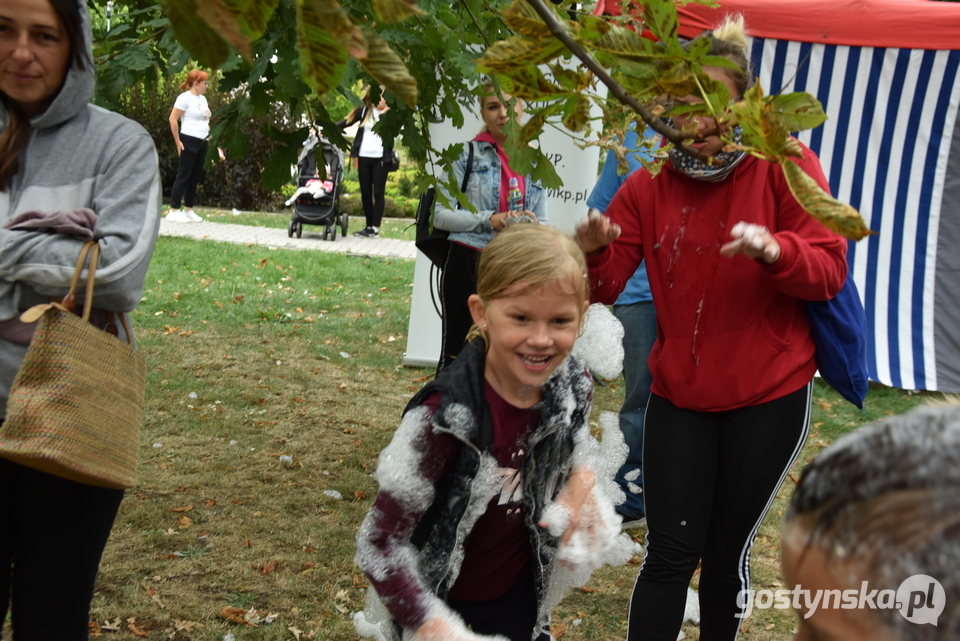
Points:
point(533, 255)
point(886, 501)
point(729, 40)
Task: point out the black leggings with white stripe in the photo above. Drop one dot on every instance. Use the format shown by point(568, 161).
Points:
point(708, 480)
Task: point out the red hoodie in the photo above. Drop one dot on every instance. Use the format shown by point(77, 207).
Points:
point(731, 332)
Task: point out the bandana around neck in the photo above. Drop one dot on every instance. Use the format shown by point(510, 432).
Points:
point(699, 170)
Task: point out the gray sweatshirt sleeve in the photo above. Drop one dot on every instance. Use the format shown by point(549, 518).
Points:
point(125, 193)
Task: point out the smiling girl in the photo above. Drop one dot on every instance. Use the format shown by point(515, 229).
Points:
point(454, 538)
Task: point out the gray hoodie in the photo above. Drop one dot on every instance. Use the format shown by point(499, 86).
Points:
point(79, 155)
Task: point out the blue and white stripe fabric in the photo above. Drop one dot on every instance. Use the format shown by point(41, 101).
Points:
point(890, 148)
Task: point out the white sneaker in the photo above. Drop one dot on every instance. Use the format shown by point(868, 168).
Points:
point(178, 216)
point(192, 215)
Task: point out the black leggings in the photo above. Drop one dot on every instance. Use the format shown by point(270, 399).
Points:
point(458, 281)
point(708, 480)
point(372, 174)
point(189, 171)
point(51, 540)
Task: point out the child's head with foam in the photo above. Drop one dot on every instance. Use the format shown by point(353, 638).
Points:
point(881, 505)
point(531, 295)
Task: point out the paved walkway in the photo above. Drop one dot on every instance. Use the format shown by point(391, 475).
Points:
point(312, 239)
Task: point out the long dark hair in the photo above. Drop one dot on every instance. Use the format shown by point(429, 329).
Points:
point(15, 137)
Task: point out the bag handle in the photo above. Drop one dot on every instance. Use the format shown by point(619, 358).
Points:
point(89, 250)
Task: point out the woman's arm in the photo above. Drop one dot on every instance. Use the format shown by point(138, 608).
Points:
point(452, 218)
point(812, 263)
point(174, 119)
point(125, 192)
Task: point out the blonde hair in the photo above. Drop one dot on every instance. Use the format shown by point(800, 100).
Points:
point(729, 40)
point(531, 255)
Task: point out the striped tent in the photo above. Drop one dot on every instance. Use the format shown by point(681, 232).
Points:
point(888, 75)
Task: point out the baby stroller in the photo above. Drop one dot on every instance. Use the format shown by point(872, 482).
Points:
point(316, 201)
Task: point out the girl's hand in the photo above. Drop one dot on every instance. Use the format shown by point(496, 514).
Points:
point(574, 497)
point(595, 232)
point(440, 628)
point(753, 241)
point(179, 147)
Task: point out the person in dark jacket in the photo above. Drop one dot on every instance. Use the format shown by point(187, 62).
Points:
point(372, 157)
point(457, 535)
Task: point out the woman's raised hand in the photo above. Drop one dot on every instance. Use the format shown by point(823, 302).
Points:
point(753, 241)
point(595, 232)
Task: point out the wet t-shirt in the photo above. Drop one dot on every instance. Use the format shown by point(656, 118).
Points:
point(497, 551)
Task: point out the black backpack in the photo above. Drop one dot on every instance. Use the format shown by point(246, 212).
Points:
point(430, 240)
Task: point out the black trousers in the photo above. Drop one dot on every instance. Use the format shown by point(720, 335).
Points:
point(457, 282)
point(189, 171)
point(372, 174)
point(514, 615)
point(708, 480)
point(52, 536)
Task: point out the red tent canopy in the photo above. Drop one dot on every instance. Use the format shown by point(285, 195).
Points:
point(906, 24)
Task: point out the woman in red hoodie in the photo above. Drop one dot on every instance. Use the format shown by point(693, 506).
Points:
point(731, 258)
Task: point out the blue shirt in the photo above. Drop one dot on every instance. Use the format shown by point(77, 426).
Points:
point(638, 287)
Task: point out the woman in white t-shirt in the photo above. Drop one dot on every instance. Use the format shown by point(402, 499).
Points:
point(372, 157)
point(193, 114)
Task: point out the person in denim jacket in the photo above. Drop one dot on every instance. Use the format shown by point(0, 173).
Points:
point(470, 232)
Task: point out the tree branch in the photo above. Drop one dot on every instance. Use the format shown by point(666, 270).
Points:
point(616, 90)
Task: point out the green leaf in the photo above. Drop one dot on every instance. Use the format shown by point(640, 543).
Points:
point(507, 55)
point(388, 69)
point(628, 45)
point(661, 19)
point(577, 113)
point(528, 83)
point(393, 11)
point(322, 30)
point(224, 21)
point(798, 111)
point(203, 42)
point(136, 58)
point(525, 21)
point(835, 215)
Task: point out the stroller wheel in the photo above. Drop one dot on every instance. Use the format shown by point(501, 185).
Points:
point(344, 221)
point(333, 231)
point(290, 229)
point(299, 230)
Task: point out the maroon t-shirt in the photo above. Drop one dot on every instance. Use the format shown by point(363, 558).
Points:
point(498, 549)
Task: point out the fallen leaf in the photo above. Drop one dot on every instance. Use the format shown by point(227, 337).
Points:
point(112, 626)
point(235, 615)
point(210, 502)
point(268, 567)
point(180, 509)
point(133, 627)
point(557, 631)
point(96, 630)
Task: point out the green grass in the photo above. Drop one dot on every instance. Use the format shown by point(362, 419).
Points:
point(257, 354)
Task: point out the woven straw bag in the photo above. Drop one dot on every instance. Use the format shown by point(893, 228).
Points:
point(76, 403)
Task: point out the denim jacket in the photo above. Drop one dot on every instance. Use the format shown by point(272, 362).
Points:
point(483, 190)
